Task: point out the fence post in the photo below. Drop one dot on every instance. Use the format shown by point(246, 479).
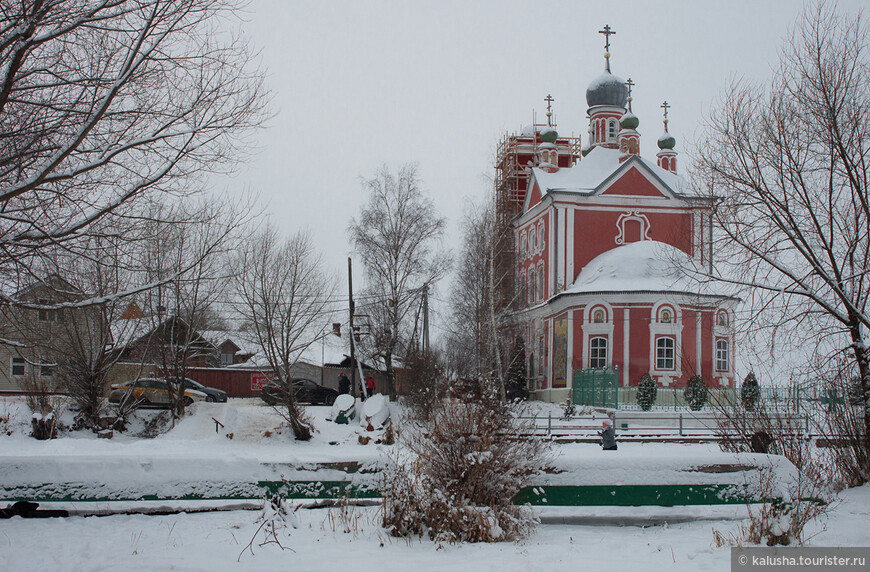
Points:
point(549, 423)
point(681, 424)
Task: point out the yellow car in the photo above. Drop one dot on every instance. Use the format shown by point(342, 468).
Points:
point(150, 392)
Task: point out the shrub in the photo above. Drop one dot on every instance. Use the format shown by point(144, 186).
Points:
point(453, 477)
point(569, 410)
point(749, 392)
point(646, 392)
point(696, 393)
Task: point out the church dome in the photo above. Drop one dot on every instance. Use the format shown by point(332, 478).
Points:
point(607, 89)
point(666, 141)
point(647, 265)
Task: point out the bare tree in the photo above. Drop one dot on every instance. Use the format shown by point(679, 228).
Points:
point(285, 295)
point(789, 160)
point(187, 259)
point(397, 237)
point(104, 102)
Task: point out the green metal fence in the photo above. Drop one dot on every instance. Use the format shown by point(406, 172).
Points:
point(596, 387)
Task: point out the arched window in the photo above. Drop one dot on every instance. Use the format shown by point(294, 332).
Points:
point(721, 355)
point(665, 353)
point(541, 285)
point(541, 236)
point(531, 290)
point(524, 246)
point(598, 353)
point(611, 129)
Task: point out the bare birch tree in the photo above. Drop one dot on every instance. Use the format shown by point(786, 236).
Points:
point(789, 160)
point(104, 102)
point(397, 236)
point(285, 295)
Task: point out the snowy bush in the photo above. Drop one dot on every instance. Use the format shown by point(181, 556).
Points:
point(646, 392)
point(696, 393)
point(569, 410)
point(749, 392)
point(454, 476)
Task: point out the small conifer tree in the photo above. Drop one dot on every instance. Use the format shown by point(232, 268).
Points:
point(646, 392)
point(749, 392)
point(695, 393)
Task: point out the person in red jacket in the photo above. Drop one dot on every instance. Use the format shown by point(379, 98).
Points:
point(370, 385)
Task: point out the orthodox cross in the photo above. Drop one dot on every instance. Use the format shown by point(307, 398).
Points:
point(549, 99)
point(629, 83)
point(665, 106)
point(607, 33)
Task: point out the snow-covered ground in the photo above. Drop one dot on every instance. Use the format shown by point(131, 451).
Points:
point(331, 539)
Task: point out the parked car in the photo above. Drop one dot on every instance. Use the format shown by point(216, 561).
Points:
point(212, 394)
point(305, 391)
point(152, 392)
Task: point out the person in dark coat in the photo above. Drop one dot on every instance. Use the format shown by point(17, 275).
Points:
point(343, 384)
point(608, 435)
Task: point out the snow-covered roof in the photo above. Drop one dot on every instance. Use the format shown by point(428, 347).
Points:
point(646, 266)
point(595, 168)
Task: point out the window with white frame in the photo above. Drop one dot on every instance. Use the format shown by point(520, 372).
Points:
point(524, 247)
point(665, 347)
point(721, 355)
point(541, 286)
point(611, 129)
point(532, 242)
point(18, 366)
point(541, 241)
point(598, 353)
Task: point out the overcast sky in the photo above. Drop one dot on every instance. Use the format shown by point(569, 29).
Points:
point(358, 84)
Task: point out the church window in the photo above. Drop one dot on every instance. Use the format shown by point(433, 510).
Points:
point(598, 353)
point(541, 288)
point(530, 299)
point(611, 129)
point(524, 247)
point(721, 355)
point(598, 316)
point(665, 353)
point(531, 242)
point(541, 236)
point(722, 319)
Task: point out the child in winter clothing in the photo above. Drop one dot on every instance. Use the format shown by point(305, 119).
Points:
point(608, 435)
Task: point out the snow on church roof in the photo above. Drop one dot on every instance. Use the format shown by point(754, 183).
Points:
point(595, 168)
point(646, 266)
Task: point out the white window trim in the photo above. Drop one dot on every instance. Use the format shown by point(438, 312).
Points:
point(593, 330)
point(23, 363)
point(716, 360)
point(673, 357)
point(674, 330)
point(606, 350)
point(634, 216)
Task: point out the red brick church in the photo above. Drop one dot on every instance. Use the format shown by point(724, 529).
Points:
point(606, 243)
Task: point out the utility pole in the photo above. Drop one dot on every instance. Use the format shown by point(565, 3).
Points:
point(351, 309)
